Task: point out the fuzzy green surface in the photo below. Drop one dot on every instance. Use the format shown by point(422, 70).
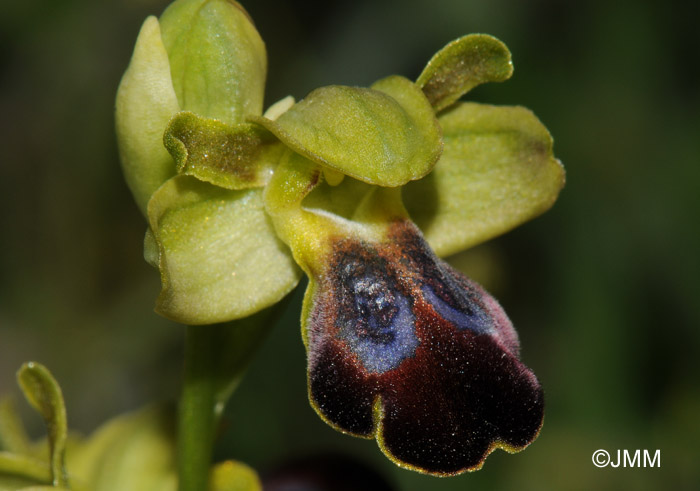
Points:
point(496, 172)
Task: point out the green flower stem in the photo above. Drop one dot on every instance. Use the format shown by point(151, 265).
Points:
point(216, 357)
point(196, 419)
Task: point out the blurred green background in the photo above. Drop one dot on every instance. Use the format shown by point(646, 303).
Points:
point(603, 288)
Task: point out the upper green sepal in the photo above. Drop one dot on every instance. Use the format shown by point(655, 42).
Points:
point(462, 65)
point(496, 172)
point(238, 156)
point(385, 135)
point(217, 58)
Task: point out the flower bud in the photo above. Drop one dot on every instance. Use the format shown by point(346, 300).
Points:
point(197, 168)
point(204, 56)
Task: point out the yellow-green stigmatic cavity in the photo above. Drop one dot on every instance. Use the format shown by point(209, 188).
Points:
point(217, 58)
point(462, 65)
point(385, 135)
point(497, 171)
point(307, 230)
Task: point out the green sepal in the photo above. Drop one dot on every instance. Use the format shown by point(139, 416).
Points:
point(217, 58)
point(44, 394)
point(218, 254)
point(145, 103)
point(462, 65)
point(239, 156)
point(386, 135)
point(497, 171)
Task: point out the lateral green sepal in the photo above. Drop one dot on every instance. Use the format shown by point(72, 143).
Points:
point(218, 254)
point(496, 172)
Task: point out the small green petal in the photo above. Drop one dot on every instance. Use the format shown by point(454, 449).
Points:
point(239, 156)
point(219, 256)
point(44, 394)
point(496, 172)
point(234, 476)
point(217, 58)
point(145, 103)
point(386, 135)
point(462, 65)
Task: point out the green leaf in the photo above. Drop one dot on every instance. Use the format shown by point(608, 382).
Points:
point(496, 172)
point(237, 156)
point(234, 476)
point(135, 451)
point(386, 135)
point(145, 103)
point(44, 394)
point(217, 58)
point(219, 256)
point(13, 438)
point(44, 488)
point(462, 65)
point(18, 471)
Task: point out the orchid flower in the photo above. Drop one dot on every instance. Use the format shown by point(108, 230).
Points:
point(361, 189)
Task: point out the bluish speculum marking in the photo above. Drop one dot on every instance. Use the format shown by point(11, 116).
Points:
point(375, 319)
point(467, 316)
point(385, 348)
point(375, 308)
